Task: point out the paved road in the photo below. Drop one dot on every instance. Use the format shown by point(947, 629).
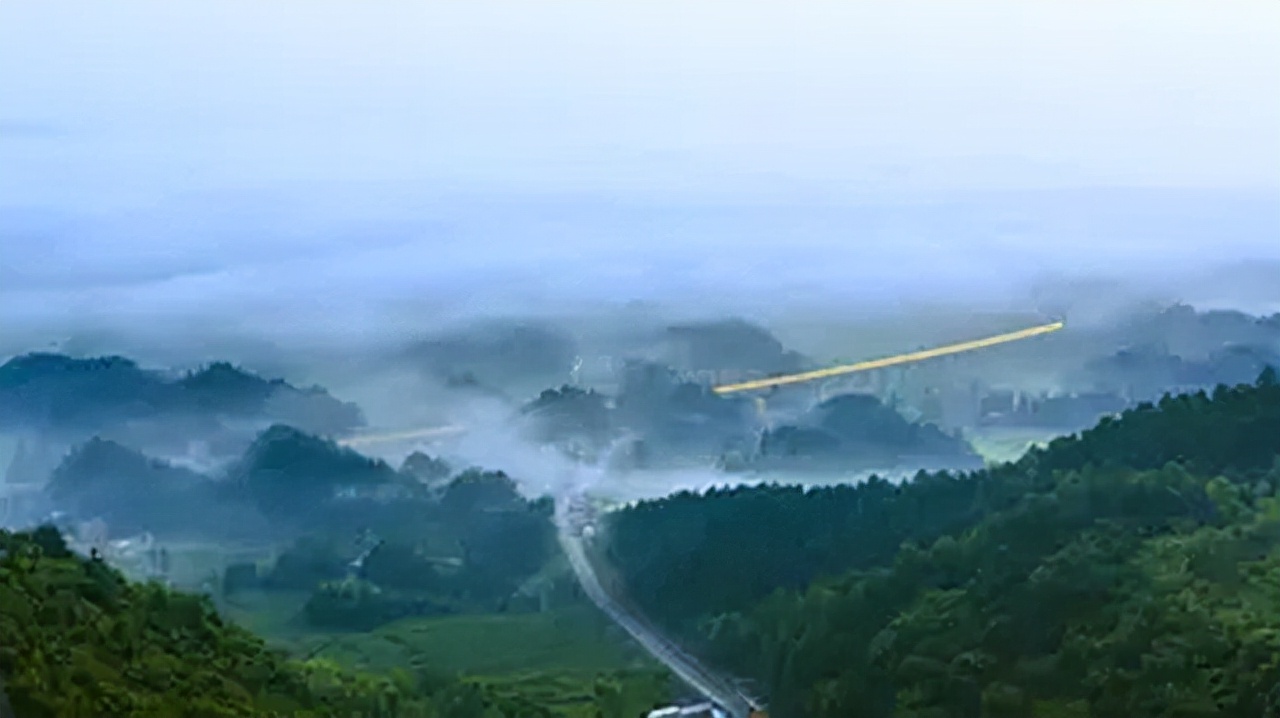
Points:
point(683, 665)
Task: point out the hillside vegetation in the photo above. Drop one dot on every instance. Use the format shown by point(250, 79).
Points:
point(1132, 570)
point(855, 430)
point(79, 641)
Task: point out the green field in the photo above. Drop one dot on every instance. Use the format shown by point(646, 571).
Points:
point(554, 659)
point(274, 615)
point(569, 640)
point(570, 659)
point(623, 695)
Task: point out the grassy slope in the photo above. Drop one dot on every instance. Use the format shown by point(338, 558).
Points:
point(571, 640)
point(77, 639)
point(553, 659)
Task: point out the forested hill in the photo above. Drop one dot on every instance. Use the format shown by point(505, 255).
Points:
point(61, 392)
point(1132, 570)
point(78, 641)
point(287, 472)
point(1235, 429)
point(853, 430)
point(131, 491)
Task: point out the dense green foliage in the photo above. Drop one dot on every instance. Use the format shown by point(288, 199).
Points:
point(467, 549)
point(1236, 429)
point(78, 641)
point(1086, 600)
point(691, 554)
point(1133, 570)
point(354, 604)
point(288, 473)
point(500, 551)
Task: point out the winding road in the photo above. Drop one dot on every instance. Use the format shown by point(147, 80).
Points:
point(687, 668)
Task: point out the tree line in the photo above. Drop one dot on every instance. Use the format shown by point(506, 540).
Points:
point(77, 640)
point(1130, 570)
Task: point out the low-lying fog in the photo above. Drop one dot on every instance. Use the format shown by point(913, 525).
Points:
point(360, 201)
point(389, 361)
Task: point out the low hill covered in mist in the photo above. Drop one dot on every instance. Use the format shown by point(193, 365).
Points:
point(674, 418)
point(286, 472)
point(62, 393)
point(858, 431)
point(570, 414)
point(286, 482)
point(53, 390)
point(1195, 334)
point(1145, 371)
point(505, 355)
point(129, 490)
point(284, 478)
point(729, 345)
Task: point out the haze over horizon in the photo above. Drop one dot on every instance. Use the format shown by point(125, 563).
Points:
point(325, 170)
point(398, 358)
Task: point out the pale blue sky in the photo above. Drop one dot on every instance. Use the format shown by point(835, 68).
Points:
point(175, 157)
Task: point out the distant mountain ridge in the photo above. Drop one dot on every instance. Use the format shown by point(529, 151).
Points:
point(498, 355)
point(286, 480)
point(284, 474)
point(49, 390)
point(731, 344)
point(133, 491)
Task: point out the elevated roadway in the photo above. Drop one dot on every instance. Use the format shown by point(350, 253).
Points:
point(897, 359)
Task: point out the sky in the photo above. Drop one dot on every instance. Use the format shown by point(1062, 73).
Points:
point(343, 168)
